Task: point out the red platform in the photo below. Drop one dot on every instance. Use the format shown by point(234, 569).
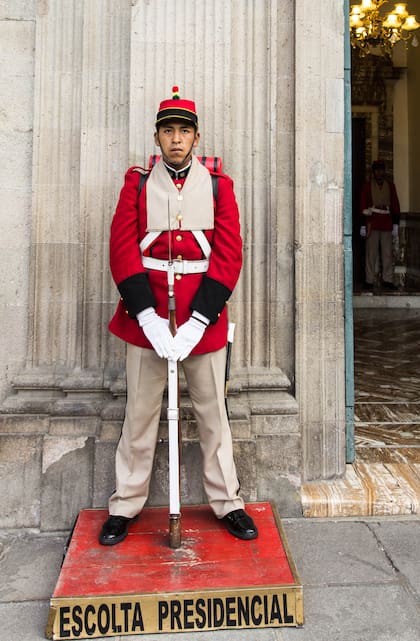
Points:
point(213, 581)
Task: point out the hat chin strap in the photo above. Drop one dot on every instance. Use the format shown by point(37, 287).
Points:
point(183, 162)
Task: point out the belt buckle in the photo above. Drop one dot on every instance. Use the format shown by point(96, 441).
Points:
point(179, 265)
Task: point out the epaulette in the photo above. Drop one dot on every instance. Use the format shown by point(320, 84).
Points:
point(141, 170)
point(144, 175)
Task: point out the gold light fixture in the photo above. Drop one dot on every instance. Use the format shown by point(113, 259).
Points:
point(372, 29)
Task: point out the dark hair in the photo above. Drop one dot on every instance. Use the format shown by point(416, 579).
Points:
point(378, 164)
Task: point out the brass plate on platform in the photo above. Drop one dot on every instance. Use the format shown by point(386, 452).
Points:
point(187, 612)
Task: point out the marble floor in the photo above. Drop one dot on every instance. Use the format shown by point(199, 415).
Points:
point(387, 385)
point(385, 477)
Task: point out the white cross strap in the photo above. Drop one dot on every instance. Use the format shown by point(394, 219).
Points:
point(199, 236)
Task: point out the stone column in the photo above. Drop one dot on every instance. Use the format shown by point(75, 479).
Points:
point(236, 60)
point(56, 268)
point(80, 155)
point(319, 117)
point(103, 161)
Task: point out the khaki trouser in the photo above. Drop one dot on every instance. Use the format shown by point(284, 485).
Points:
point(146, 380)
point(375, 242)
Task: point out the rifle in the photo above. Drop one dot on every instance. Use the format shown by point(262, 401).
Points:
point(231, 334)
point(174, 431)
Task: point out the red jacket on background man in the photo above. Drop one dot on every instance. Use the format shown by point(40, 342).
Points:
point(379, 222)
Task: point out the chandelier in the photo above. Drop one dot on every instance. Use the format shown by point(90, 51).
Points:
point(372, 29)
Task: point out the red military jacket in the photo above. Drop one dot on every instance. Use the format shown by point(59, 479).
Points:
point(141, 288)
point(379, 222)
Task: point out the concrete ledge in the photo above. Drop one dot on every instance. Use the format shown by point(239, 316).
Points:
point(389, 301)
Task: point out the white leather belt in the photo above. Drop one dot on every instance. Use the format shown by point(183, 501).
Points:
point(375, 210)
point(180, 266)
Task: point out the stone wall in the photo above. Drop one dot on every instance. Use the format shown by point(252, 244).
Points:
point(271, 103)
point(17, 37)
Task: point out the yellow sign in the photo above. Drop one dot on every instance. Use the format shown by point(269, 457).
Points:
point(88, 617)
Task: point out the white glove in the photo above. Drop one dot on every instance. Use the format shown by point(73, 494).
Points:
point(189, 335)
point(367, 212)
point(156, 330)
point(363, 231)
point(395, 231)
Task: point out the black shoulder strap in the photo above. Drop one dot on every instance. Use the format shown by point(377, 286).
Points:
point(214, 184)
point(142, 182)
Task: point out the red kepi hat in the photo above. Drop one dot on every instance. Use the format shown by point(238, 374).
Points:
point(175, 108)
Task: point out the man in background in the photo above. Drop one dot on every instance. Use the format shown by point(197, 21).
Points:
point(380, 213)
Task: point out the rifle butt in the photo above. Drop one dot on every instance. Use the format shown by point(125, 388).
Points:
point(174, 531)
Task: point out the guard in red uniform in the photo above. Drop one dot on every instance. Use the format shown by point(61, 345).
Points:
point(173, 213)
point(380, 215)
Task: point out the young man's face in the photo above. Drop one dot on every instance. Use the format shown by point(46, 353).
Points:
point(176, 139)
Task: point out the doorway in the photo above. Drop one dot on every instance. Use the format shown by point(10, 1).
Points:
point(386, 324)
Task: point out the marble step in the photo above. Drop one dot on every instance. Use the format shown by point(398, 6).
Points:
point(368, 489)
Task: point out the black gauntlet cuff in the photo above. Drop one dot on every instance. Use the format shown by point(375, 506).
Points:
point(211, 298)
point(136, 294)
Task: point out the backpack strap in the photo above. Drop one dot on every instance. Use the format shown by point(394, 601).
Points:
point(215, 185)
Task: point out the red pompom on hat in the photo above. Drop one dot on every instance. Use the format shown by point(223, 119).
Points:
point(177, 109)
